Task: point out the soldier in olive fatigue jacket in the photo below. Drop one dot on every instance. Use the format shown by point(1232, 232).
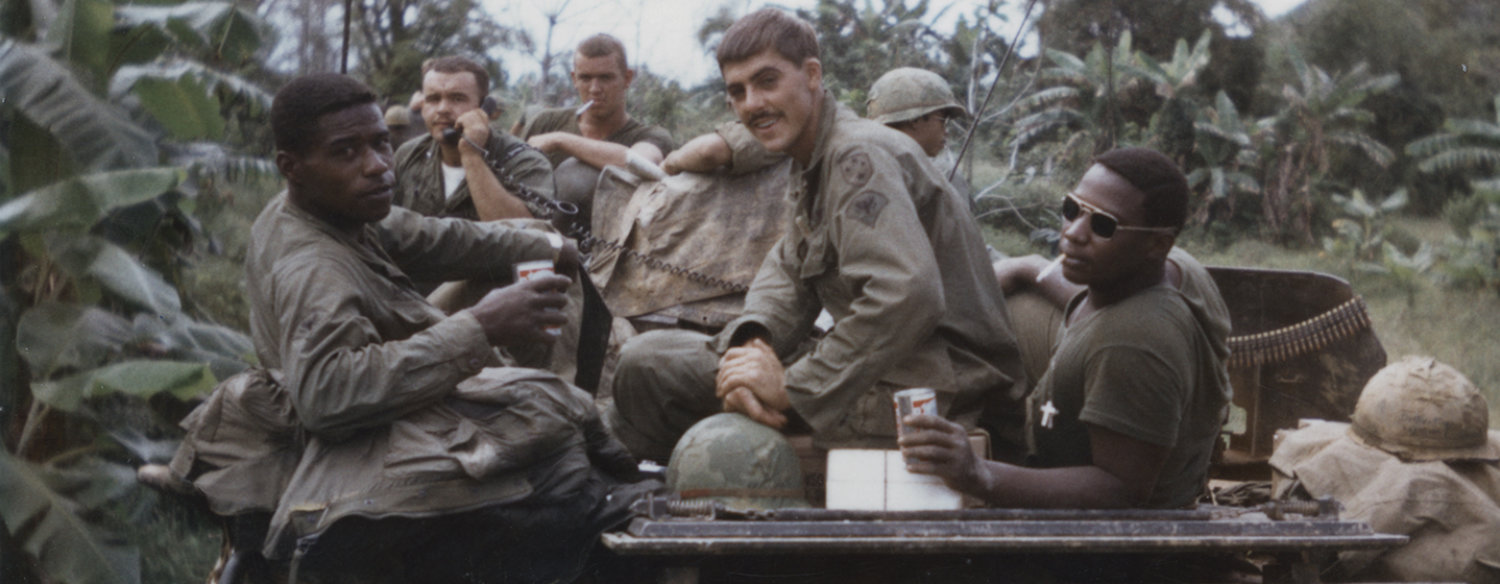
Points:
point(439, 179)
point(424, 462)
point(879, 240)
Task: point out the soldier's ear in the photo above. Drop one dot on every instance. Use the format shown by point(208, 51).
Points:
point(813, 69)
point(288, 164)
point(629, 76)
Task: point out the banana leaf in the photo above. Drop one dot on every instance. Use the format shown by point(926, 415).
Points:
point(97, 260)
point(57, 336)
point(45, 525)
point(137, 378)
point(78, 203)
point(95, 133)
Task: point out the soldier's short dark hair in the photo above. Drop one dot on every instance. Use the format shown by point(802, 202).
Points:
point(456, 64)
point(791, 37)
point(603, 45)
point(1156, 176)
point(298, 105)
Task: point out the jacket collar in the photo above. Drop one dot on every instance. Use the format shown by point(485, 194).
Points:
point(364, 242)
point(826, 118)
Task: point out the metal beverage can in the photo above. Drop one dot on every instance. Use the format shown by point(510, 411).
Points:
point(532, 269)
point(917, 400)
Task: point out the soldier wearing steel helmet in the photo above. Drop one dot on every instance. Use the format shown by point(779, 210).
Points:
point(878, 239)
point(1418, 459)
point(917, 102)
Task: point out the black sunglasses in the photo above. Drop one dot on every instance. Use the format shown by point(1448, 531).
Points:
point(1101, 223)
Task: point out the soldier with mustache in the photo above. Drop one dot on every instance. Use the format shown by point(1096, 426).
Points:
point(879, 239)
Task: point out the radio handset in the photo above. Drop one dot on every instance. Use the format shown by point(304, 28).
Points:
point(452, 135)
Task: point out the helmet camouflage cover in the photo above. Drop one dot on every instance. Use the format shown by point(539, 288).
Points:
point(1422, 410)
point(909, 93)
point(737, 461)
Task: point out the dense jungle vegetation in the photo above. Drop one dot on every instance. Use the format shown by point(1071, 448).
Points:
point(1355, 137)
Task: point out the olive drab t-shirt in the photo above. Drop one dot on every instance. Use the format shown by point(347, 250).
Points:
point(564, 120)
point(1151, 367)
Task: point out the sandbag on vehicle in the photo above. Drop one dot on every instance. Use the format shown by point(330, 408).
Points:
point(691, 239)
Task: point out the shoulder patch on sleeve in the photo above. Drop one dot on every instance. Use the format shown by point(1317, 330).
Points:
point(855, 168)
point(866, 207)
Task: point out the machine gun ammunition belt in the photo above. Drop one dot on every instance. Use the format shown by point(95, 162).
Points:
point(1285, 343)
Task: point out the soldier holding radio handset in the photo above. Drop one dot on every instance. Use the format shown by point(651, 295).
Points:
point(454, 171)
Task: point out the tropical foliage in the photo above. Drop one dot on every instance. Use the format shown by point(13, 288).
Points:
point(1464, 146)
point(111, 125)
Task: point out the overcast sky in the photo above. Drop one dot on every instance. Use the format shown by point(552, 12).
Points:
point(662, 33)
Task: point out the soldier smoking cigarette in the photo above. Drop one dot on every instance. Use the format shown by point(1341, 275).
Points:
point(1052, 267)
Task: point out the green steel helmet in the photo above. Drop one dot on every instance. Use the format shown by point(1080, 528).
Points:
point(1422, 410)
point(909, 93)
point(738, 462)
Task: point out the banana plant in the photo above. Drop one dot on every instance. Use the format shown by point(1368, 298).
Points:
point(1177, 77)
point(104, 107)
point(1360, 235)
point(1471, 256)
point(1463, 146)
point(1175, 82)
point(1223, 143)
point(1075, 95)
point(1402, 269)
point(1322, 115)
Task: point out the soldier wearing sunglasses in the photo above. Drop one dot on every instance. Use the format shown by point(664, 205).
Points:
point(1132, 402)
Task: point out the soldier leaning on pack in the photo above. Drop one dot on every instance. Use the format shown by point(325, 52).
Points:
point(580, 141)
point(878, 239)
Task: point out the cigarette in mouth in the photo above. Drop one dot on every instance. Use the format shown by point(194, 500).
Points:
point(1052, 267)
point(583, 108)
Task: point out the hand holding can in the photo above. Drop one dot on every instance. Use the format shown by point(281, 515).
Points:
point(534, 269)
point(917, 400)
